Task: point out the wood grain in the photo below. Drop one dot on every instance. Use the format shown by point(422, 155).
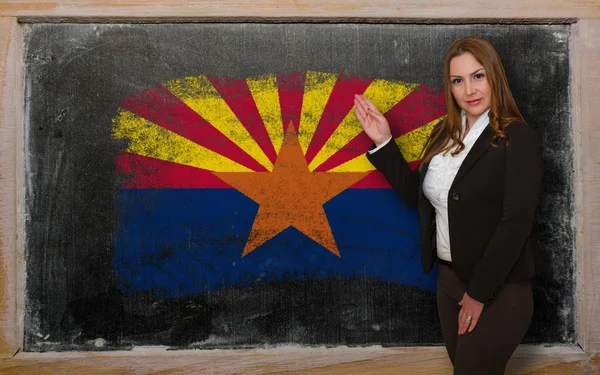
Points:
point(404, 9)
point(293, 360)
point(423, 360)
point(588, 254)
point(11, 90)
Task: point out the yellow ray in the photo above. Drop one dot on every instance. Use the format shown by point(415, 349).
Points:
point(200, 95)
point(266, 97)
point(358, 164)
point(384, 94)
point(317, 89)
point(149, 139)
point(410, 144)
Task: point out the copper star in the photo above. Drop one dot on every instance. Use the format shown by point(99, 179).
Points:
point(291, 195)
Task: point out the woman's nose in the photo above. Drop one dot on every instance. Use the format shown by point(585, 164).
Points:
point(470, 88)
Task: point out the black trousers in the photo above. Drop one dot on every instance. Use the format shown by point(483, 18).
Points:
point(500, 329)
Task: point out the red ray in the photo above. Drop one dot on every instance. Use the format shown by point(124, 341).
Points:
point(338, 105)
point(423, 105)
point(291, 93)
point(163, 108)
point(146, 172)
point(418, 108)
point(375, 179)
point(413, 164)
point(357, 146)
point(238, 97)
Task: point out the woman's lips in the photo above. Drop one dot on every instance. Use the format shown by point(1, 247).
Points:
point(473, 102)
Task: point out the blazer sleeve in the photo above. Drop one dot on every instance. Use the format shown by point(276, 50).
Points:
point(522, 179)
point(389, 161)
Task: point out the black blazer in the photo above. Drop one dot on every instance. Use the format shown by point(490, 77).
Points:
point(491, 205)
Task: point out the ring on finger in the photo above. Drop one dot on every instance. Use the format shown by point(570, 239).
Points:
point(468, 319)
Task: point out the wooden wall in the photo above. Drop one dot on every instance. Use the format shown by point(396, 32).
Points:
point(585, 55)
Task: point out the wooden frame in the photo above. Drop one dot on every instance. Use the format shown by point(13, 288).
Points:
point(585, 55)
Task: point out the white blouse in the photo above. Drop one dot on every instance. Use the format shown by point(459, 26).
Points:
point(440, 175)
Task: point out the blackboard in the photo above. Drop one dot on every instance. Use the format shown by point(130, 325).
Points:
point(121, 250)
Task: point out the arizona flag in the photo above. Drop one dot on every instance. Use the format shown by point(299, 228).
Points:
point(230, 183)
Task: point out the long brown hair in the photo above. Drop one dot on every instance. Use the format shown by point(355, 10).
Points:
point(447, 134)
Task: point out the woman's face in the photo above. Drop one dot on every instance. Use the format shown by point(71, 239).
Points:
point(470, 87)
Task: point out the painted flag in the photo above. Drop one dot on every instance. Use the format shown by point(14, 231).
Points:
point(231, 183)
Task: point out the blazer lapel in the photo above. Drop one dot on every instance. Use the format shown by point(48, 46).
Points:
point(479, 148)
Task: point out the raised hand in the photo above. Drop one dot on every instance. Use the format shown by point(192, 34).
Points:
point(373, 123)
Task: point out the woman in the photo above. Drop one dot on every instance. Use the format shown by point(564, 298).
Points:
point(476, 190)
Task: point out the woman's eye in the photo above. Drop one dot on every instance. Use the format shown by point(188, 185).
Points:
point(456, 80)
point(479, 76)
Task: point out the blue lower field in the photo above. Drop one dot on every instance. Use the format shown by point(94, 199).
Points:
point(180, 242)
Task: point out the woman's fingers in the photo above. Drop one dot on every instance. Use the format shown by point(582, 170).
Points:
point(469, 314)
point(374, 110)
point(366, 105)
point(463, 324)
point(462, 317)
point(477, 309)
point(378, 118)
point(365, 122)
point(364, 117)
point(360, 114)
point(360, 111)
point(474, 322)
point(372, 121)
point(466, 320)
point(360, 104)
